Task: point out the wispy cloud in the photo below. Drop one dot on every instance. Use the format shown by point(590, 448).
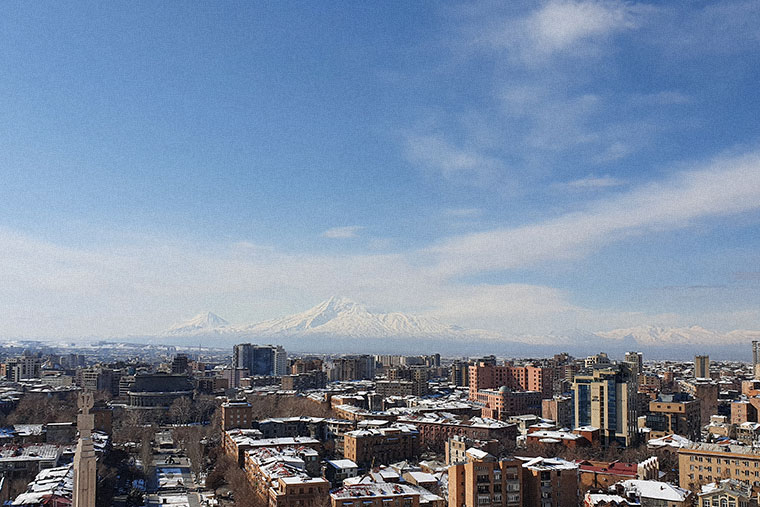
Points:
point(724, 187)
point(591, 182)
point(463, 165)
point(348, 231)
point(558, 27)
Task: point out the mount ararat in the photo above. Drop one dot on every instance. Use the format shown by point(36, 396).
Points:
point(342, 324)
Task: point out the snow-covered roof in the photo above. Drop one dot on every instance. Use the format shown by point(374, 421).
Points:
point(656, 490)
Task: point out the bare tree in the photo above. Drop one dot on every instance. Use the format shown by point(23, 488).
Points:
point(179, 411)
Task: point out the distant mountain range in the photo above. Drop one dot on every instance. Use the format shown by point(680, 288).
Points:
point(337, 317)
point(340, 320)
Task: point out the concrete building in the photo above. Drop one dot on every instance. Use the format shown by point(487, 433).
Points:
point(728, 492)
point(677, 413)
point(560, 410)
point(352, 368)
point(485, 480)
point(180, 365)
point(260, 359)
point(337, 470)
point(375, 495)
point(436, 429)
point(158, 390)
point(701, 366)
point(285, 477)
point(381, 446)
point(550, 482)
point(459, 373)
point(636, 361)
point(236, 414)
point(606, 399)
point(702, 463)
point(502, 403)
point(314, 379)
point(706, 391)
point(280, 362)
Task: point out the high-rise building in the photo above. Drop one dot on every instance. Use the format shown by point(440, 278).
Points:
point(606, 398)
point(701, 366)
point(260, 359)
point(353, 368)
point(280, 361)
point(180, 364)
point(636, 360)
point(756, 358)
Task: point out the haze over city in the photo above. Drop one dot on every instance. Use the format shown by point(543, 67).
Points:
point(524, 169)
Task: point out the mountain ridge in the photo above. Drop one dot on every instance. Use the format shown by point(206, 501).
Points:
point(342, 317)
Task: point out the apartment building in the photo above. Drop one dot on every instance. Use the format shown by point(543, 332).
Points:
point(236, 414)
point(550, 482)
point(381, 446)
point(487, 375)
point(375, 495)
point(486, 481)
point(286, 477)
point(502, 403)
point(702, 463)
point(560, 410)
point(436, 429)
point(677, 413)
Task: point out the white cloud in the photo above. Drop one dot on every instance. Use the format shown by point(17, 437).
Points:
point(590, 182)
point(561, 26)
point(461, 165)
point(722, 188)
point(349, 231)
point(48, 289)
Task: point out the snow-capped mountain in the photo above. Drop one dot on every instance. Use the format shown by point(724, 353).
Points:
point(202, 323)
point(694, 335)
point(338, 319)
point(342, 317)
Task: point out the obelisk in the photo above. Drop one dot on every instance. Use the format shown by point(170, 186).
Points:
point(85, 473)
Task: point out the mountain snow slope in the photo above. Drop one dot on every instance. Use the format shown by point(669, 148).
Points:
point(339, 317)
point(694, 335)
point(342, 317)
point(202, 323)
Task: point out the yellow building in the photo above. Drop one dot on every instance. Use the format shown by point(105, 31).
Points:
point(702, 463)
point(728, 493)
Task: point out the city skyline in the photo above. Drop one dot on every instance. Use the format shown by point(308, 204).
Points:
point(524, 169)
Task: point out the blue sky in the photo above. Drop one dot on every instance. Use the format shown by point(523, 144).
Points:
point(527, 168)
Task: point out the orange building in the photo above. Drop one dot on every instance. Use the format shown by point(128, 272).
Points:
point(485, 480)
point(485, 375)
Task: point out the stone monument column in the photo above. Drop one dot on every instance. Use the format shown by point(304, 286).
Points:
point(85, 473)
